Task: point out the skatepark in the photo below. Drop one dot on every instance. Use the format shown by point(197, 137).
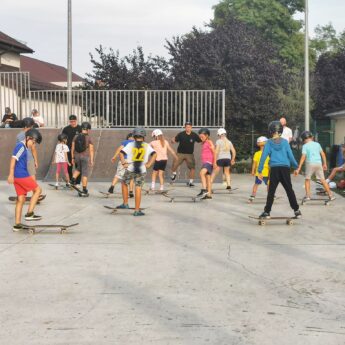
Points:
point(186, 273)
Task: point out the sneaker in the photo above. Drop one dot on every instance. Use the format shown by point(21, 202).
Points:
point(265, 215)
point(123, 206)
point(331, 197)
point(161, 188)
point(190, 184)
point(32, 216)
point(173, 177)
point(207, 196)
point(202, 193)
point(18, 227)
point(138, 213)
point(111, 190)
point(68, 185)
point(251, 198)
point(228, 187)
point(298, 214)
point(131, 194)
point(306, 198)
point(56, 184)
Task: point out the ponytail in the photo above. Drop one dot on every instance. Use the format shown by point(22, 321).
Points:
point(162, 140)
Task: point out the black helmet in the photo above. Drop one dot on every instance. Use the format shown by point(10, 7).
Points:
point(28, 122)
point(129, 135)
point(306, 135)
point(86, 125)
point(139, 132)
point(275, 127)
point(34, 134)
point(204, 131)
point(62, 137)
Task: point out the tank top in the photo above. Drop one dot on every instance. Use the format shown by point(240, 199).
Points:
point(206, 153)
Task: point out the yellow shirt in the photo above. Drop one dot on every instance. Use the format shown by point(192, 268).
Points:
point(266, 169)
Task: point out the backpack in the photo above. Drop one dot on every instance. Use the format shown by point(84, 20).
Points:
point(80, 143)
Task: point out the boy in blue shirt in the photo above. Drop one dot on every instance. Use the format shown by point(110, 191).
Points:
point(316, 163)
point(20, 177)
point(281, 159)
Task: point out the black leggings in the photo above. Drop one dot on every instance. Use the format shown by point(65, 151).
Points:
point(280, 175)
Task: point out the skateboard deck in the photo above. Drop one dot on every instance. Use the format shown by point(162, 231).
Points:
point(59, 187)
point(174, 198)
point(115, 209)
point(251, 201)
point(156, 192)
point(107, 195)
point(326, 201)
point(224, 190)
point(28, 198)
point(80, 192)
point(263, 221)
point(62, 228)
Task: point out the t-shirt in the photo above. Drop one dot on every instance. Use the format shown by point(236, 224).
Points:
point(162, 152)
point(287, 134)
point(20, 154)
point(224, 148)
point(71, 132)
point(20, 138)
point(38, 119)
point(60, 151)
point(256, 159)
point(312, 151)
point(206, 153)
point(9, 117)
point(138, 154)
point(125, 143)
point(88, 142)
point(186, 142)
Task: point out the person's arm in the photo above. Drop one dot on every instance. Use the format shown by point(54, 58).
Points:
point(213, 149)
point(72, 152)
point(152, 160)
point(324, 160)
point(117, 152)
point(265, 154)
point(92, 154)
point(171, 150)
point(301, 162)
point(254, 167)
point(176, 139)
point(291, 157)
point(34, 154)
point(233, 155)
point(217, 151)
point(10, 178)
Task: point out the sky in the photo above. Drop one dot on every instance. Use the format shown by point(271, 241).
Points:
point(121, 25)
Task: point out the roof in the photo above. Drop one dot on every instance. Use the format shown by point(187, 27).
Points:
point(336, 114)
point(9, 43)
point(45, 72)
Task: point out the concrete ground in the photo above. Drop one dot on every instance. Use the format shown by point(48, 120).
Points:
point(186, 273)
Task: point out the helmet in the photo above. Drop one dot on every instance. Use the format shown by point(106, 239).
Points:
point(34, 134)
point(221, 131)
point(261, 140)
point(306, 135)
point(85, 125)
point(139, 132)
point(62, 137)
point(129, 135)
point(28, 122)
point(157, 132)
point(275, 127)
point(204, 131)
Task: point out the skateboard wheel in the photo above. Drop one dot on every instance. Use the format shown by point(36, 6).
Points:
point(262, 222)
point(302, 203)
point(63, 231)
point(31, 231)
point(289, 222)
point(326, 203)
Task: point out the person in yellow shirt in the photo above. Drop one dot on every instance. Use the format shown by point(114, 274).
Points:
point(261, 141)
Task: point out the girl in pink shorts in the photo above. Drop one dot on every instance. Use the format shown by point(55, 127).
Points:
point(61, 159)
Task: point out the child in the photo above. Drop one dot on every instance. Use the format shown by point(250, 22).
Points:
point(161, 147)
point(281, 159)
point(261, 142)
point(137, 161)
point(338, 169)
point(316, 163)
point(120, 171)
point(23, 182)
point(61, 158)
point(225, 157)
point(82, 156)
point(208, 159)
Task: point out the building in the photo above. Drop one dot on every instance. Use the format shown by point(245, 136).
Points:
point(338, 125)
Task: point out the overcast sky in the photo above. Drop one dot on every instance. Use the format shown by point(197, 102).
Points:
point(122, 25)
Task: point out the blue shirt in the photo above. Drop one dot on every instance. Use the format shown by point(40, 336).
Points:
point(312, 151)
point(20, 153)
point(280, 154)
point(124, 144)
point(21, 137)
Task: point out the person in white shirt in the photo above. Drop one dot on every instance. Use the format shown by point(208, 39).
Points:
point(287, 132)
point(37, 118)
point(61, 159)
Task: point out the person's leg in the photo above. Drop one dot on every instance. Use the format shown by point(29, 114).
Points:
point(124, 193)
point(192, 174)
point(215, 173)
point(307, 187)
point(137, 198)
point(286, 182)
point(161, 179)
point(334, 173)
point(65, 168)
point(154, 177)
point(274, 181)
point(227, 176)
point(36, 194)
point(209, 184)
point(70, 167)
point(203, 173)
point(19, 207)
point(176, 164)
point(84, 182)
point(255, 189)
point(131, 187)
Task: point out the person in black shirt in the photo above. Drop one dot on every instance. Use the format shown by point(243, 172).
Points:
point(185, 152)
point(9, 118)
point(71, 131)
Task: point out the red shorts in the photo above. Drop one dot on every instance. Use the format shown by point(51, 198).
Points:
point(62, 166)
point(24, 185)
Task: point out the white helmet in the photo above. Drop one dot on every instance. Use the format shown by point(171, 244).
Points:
point(261, 140)
point(156, 133)
point(221, 131)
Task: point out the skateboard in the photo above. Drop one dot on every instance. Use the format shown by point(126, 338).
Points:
point(80, 192)
point(115, 209)
point(250, 200)
point(224, 190)
point(108, 195)
point(187, 197)
point(62, 228)
point(156, 192)
point(263, 221)
point(61, 187)
point(324, 200)
point(28, 198)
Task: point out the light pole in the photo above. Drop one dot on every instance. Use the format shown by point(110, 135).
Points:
point(306, 68)
point(69, 58)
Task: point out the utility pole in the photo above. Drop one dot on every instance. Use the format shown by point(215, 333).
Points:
point(69, 58)
point(306, 68)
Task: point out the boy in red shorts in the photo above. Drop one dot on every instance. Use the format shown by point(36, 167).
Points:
point(23, 182)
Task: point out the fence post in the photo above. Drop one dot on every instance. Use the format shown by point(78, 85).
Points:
point(184, 107)
point(107, 109)
point(145, 106)
point(223, 108)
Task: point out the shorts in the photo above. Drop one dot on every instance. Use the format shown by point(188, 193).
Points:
point(63, 166)
point(314, 169)
point(82, 164)
point(24, 185)
point(120, 171)
point(188, 157)
point(208, 167)
point(224, 163)
point(31, 167)
point(139, 178)
point(264, 179)
point(160, 165)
